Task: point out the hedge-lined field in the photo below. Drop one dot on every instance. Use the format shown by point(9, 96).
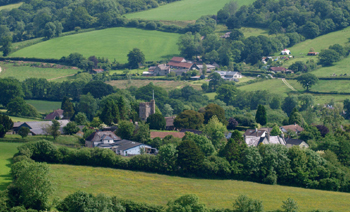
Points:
point(44, 106)
point(112, 43)
point(185, 10)
point(146, 187)
point(7, 150)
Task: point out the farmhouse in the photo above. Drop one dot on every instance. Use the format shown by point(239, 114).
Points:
point(159, 70)
point(294, 127)
point(40, 127)
point(209, 67)
point(296, 142)
point(229, 75)
point(181, 63)
point(56, 114)
point(103, 139)
point(285, 52)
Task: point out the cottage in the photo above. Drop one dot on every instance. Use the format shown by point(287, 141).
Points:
point(285, 52)
point(159, 70)
point(296, 142)
point(294, 127)
point(40, 127)
point(131, 148)
point(56, 114)
point(102, 139)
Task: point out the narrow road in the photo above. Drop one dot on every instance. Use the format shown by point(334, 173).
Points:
point(288, 85)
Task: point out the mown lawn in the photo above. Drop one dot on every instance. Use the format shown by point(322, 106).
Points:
point(24, 72)
point(184, 10)
point(7, 150)
point(159, 189)
point(112, 43)
point(10, 6)
point(44, 106)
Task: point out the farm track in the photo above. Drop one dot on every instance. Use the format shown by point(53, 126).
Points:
point(288, 85)
point(59, 77)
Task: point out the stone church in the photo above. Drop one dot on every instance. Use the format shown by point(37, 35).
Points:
point(146, 109)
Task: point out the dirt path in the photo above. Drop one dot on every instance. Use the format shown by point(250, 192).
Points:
point(59, 77)
point(288, 85)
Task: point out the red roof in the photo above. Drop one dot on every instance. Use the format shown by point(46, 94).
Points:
point(278, 69)
point(180, 65)
point(54, 114)
point(163, 134)
point(177, 59)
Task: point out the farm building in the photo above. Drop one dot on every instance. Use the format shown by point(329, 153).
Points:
point(40, 127)
point(57, 114)
point(103, 139)
point(159, 70)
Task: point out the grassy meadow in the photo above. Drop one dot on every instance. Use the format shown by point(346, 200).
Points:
point(23, 72)
point(184, 10)
point(44, 106)
point(10, 6)
point(146, 187)
point(112, 43)
point(274, 86)
point(341, 67)
point(7, 150)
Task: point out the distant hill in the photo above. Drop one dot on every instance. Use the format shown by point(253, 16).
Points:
point(112, 43)
point(185, 10)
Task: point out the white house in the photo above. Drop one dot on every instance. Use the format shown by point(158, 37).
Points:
point(130, 148)
point(285, 52)
point(229, 75)
point(255, 137)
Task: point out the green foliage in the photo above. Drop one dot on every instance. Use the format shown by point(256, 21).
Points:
point(110, 113)
point(6, 44)
point(80, 118)
point(296, 118)
point(246, 204)
point(18, 107)
point(67, 107)
point(5, 125)
point(307, 80)
point(215, 131)
point(189, 119)
point(156, 122)
point(275, 131)
point(212, 110)
point(71, 128)
point(202, 142)
point(135, 58)
point(260, 116)
point(125, 129)
point(98, 89)
point(234, 148)
point(88, 105)
point(10, 88)
point(290, 206)
point(23, 132)
point(188, 202)
point(142, 134)
point(190, 157)
point(54, 129)
point(328, 56)
point(226, 93)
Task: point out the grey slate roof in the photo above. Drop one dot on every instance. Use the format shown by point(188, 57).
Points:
point(293, 141)
point(126, 144)
point(100, 135)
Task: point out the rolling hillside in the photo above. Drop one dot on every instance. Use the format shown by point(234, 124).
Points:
point(112, 43)
point(184, 10)
point(146, 187)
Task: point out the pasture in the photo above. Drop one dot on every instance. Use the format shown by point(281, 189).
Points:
point(184, 10)
point(274, 86)
point(112, 43)
point(7, 150)
point(10, 6)
point(341, 67)
point(146, 187)
point(24, 72)
point(44, 106)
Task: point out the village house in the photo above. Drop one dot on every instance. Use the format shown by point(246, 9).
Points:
point(40, 127)
point(296, 142)
point(255, 137)
point(293, 127)
point(230, 75)
point(56, 114)
point(103, 139)
point(131, 148)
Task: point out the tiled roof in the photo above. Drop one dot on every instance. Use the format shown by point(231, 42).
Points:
point(177, 59)
point(293, 127)
point(156, 134)
point(126, 144)
point(181, 65)
point(99, 135)
point(169, 121)
point(53, 115)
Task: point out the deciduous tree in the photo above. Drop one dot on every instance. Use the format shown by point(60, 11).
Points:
point(23, 132)
point(307, 80)
point(135, 57)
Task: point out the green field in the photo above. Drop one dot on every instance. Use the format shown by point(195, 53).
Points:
point(23, 72)
point(274, 86)
point(112, 43)
point(341, 67)
point(7, 150)
point(44, 106)
point(184, 10)
point(159, 189)
point(11, 6)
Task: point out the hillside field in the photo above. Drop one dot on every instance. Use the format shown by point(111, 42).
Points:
point(341, 67)
point(10, 6)
point(23, 72)
point(112, 43)
point(44, 106)
point(184, 10)
point(146, 187)
point(7, 150)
